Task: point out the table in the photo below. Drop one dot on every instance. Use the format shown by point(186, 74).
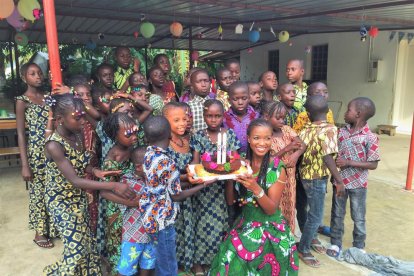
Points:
point(8, 124)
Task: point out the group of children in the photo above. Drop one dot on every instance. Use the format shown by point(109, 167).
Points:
point(108, 166)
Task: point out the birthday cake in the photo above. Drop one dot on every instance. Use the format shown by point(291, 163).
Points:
point(212, 165)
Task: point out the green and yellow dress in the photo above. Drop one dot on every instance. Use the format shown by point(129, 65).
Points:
point(68, 207)
point(259, 244)
point(36, 120)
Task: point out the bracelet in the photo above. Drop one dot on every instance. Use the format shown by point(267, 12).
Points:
point(48, 130)
point(260, 195)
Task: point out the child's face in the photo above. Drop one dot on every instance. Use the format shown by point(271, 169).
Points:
point(140, 95)
point(321, 90)
point(178, 119)
point(84, 93)
point(73, 120)
point(239, 100)
point(138, 79)
point(128, 109)
point(278, 119)
point(104, 102)
point(234, 70)
point(127, 135)
point(123, 58)
point(213, 116)
point(255, 94)
point(157, 78)
point(164, 64)
point(351, 114)
point(225, 80)
point(139, 169)
point(269, 81)
point(34, 76)
point(294, 72)
point(287, 95)
point(260, 140)
point(106, 77)
point(201, 84)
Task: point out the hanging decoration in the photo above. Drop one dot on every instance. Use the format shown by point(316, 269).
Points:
point(195, 55)
point(363, 33)
point(238, 29)
point(373, 31)
point(290, 43)
point(308, 49)
point(90, 44)
point(283, 36)
point(400, 36)
point(37, 13)
point(249, 50)
point(176, 29)
point(147, 29)
point(220, 31)
point(392, 35)
point(101, 36)
point(136, 34)
point(26, 8)
point(251, 27)
point(7, 7)
point(254, 36)
point(21, 39)
point(272, 31)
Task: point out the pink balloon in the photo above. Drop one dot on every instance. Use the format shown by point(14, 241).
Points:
point(15, 19)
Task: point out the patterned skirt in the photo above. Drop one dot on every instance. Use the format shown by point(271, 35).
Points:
point(184, 226)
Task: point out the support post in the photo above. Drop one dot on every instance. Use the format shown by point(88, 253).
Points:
point(190, 45)
point(52, 41)
point(16, 61)
point(410, 161)
point(11, 59)
point(146, 61)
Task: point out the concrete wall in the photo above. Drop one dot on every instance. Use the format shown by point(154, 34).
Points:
point(347, 68)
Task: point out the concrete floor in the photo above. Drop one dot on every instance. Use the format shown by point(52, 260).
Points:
point(390, 217)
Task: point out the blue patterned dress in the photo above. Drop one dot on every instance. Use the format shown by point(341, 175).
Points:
point(210, 208)
point(184, 223)
point(68, 207)
point(35, 117)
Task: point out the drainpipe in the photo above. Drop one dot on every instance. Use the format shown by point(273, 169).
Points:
point(52, 42)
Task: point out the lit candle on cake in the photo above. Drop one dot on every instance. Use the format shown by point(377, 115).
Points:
point(224, 150)
point(219, 146)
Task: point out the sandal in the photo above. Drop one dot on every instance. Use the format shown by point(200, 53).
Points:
point(44, 243)
point(333, 251)
point(309, 260)
point(185, 273)
point(318, 247)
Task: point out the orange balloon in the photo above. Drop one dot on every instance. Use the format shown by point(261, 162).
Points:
point(176, 29)
point(7, 7)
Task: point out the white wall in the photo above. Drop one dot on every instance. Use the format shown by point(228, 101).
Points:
point(347, 68)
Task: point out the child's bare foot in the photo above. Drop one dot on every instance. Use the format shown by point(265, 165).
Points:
point(43, 242)
point(309, 259)
point(198, 270)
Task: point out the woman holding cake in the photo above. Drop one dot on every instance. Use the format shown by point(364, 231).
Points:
point(261, 242)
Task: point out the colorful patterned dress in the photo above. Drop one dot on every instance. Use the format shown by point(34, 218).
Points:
point(260, 244)
point(113, 216)
point(184, 223)
point(210, 208)
point(288, 200)
point(168, 88)
point(36, 120)
point(69, 209)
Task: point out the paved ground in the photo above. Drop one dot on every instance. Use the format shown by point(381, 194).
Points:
point(389, 220)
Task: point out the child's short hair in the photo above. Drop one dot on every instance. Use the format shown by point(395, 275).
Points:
point(152, 69)
point(117, 103)
point(251, 83)
point(220, 71)
point(200, 71)
point(172, 105)
point(237, 85)
point(113, 123)
point(139, 87)
point(312, 87)
point(316, 105)
point(158, 57)
point(211, 102)
point(79, 79)
point(231, 61)
point(137, 155)
point(64, 103)
point(119, 48)
point(157, 129)
point(103, 66)
point(271, 108)
point(366, 106)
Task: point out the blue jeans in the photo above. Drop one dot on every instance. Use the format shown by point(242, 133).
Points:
point(165, 252)
point(358, 199)
point(315, 190)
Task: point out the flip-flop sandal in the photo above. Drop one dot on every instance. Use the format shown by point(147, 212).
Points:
point(318, 247)
point(44, 243)
point(333, 251)
point(185, 273)
point(310, 260)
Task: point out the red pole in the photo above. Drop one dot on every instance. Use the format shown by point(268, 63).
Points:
point(52, 41)
point(410, 161)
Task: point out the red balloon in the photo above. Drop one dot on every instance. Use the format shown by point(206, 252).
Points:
point(373, 32)
point(136, 34)
point(194, 55)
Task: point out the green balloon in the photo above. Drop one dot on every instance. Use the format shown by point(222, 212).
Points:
point(21, 39)
point(147, 29)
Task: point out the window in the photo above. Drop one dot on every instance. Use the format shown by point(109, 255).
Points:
point(274, 62)
point(320, 62)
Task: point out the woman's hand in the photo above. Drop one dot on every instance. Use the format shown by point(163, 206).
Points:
point(124, 191)
point(27, 173)
point(103, 174)
point(249, 182)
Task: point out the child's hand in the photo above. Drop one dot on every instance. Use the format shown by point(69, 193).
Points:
point(124, 191)
point(60, 89)
point(293, 146)
point(103, 174)
point(209, 182)
point(249, 182)
point(192, 180)
point(122, 94)
point(27, 173)
point(342, 163)
point(340, 190)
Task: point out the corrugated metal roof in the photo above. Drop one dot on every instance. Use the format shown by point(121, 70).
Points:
point(81, 20)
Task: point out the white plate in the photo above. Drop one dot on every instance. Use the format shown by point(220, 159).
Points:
point(218, 177)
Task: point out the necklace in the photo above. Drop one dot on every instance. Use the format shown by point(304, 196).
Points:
point(183, 147)
point(209, 138)
point(77, 140)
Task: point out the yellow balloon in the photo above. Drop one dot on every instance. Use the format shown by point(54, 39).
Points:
point(26, 7)
point(7, 7)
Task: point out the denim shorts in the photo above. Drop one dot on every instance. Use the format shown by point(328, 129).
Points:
point(134, 254)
